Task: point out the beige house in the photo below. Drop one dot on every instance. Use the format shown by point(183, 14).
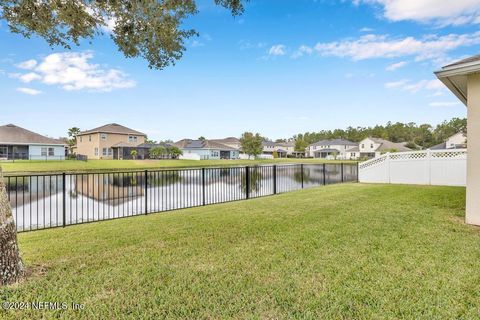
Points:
point(457, 141)
point(339, 149)
point(108, 142)
point(374, 147)
point(463, 79)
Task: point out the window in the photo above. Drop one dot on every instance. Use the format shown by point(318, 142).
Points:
point(371, 146)
point(3, 152)
point(110, 151)
point(352, 154)
point(363, 146)
point(51, 152)
point(81, 140)
point(132, 139)
point(104, 151)
point(90, 138)
point(103, 136)
point(44, 152)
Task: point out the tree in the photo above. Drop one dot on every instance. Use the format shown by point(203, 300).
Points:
point(150, 141)
point(148, 29)
point(134, 154)
point(275, 154)
point(251, 144)
point(174, 152)
point(11, 265)
point(158, 152)
point(202, 138)
point(72, 138)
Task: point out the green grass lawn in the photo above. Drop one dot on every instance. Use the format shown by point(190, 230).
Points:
point(349, 251)
point(22, 167)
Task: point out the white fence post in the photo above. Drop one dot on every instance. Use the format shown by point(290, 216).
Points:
point(429, 167)
point(387, 166)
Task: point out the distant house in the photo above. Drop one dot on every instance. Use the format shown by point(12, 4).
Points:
point(374, 147)
point(205, 150)
point(111, 141)
point(457, 141)
point(230, 142)
point(20, 143)
point(283, 149)
point(333, 149)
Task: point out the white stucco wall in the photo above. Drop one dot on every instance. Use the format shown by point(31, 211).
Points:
point(473, 159)
point(35, 152)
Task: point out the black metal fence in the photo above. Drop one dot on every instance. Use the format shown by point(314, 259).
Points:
point(59, 200)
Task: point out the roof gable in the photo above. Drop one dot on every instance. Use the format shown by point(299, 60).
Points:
point(11, 134)
point(114, 128)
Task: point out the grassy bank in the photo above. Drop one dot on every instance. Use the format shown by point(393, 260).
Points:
point(339, 252)
point(23, 167)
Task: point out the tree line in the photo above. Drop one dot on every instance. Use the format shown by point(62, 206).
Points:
point(416, 136)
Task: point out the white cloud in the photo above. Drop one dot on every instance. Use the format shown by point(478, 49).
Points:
point(29, 64)
point(439, 12)
point(29, 91)
point(407, 85)
point(303, 50)
point(395, 66)
point(443, 104)
point(396, 84)
point(381, 46)
point(366, 29)
point(73, 71)
point(277, 50)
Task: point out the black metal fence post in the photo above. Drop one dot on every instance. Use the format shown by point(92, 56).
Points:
point(358, 172)
point(324, 175)
point(247, 182)
point(64, 199)
point(146, 191)
point(301, 173)
point(203, 187)
point(341, 170)
point(274, 179)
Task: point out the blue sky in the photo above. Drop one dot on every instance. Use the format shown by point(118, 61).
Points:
point(282, 68)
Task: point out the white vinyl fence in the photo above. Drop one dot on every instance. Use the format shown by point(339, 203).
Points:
point(429, 167)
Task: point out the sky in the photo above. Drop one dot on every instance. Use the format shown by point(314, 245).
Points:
point(283, 67)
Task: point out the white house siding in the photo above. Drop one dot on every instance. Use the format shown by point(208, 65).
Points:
point(455, 140)
point(344, 154)
point(369, 146)
point(207, 154)
point(35, 152)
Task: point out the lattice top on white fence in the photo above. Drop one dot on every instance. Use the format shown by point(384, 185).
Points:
point(415, 155)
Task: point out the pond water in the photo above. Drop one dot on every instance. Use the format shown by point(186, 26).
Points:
point(39, 202)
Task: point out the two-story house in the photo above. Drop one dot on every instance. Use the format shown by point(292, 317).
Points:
point(340, 149)
point(205, 150)
point(457, 141)
point(111, 141)
point(374, 147)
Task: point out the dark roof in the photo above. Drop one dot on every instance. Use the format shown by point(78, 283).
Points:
point(463, 61)
point(334, 142)
point(12, 134)
point(226, 140)
point(326, 151)
point(281, 150)
point(113, 128)
point(388, 145)
point(201, 144)
point(268, 143)
point(439, 146)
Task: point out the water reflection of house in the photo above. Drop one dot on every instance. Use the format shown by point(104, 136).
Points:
point(110, 186)
point(25, 190)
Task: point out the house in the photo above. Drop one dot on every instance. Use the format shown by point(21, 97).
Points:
point(457, 141)
point(283, 149)
point(20, 143)
point(111, 141)
point(374, 147)
point(462, 78)
point(205, 150)
point(333, 149)
point(230, 142)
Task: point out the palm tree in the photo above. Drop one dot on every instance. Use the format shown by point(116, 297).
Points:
point(134, 154)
